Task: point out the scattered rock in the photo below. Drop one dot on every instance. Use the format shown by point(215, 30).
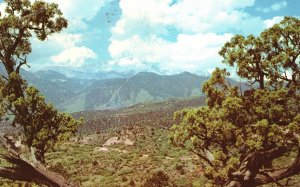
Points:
point(101, 149)
point(74, 139)
point(112, 141)
point(185, 158)
point(169, 158)
point(119, 150)
point(116, 140)
point(128, 142)
point(86, 140)
point(106, 149)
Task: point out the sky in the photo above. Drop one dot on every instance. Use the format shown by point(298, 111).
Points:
point(165, 36)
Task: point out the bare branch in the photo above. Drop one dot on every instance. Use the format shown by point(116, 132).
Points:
point(202, 157)
point(22, 62)
point(4, 77)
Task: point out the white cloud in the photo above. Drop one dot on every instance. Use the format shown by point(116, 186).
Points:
point(274, 7)
point(200, 26)
point(188, 53)
point(186, 15)
point(128, 61)
point(86, 9)
point(75, 56)
point(66, 40)
point(147, 50)
point(63, 49)
point(278, 6)
point(270, 22)
point(77, 11)
point(67, 47)
point(2, 9)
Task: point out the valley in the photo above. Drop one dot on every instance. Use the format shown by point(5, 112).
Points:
point(149, 93)
point(127, 147)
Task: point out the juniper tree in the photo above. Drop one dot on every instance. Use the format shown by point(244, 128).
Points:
point(239, 134)
point(41, 124)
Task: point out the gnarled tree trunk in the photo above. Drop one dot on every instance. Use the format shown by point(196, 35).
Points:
point(24, 170)
point(251, 174)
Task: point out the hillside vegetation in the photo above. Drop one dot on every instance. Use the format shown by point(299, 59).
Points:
point(112, 151)
point(152, 114)
point(127, 147)
point(148, 129)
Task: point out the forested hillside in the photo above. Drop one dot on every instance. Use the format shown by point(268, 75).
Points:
point(73, 94)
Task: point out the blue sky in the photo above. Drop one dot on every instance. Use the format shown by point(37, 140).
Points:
point(167, 36)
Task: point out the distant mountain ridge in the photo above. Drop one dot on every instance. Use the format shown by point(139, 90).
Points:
point(87, 73)
point(79, 94)
point(142, 87)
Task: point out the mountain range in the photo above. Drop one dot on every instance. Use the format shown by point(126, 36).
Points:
point(78, 94)
point(111, 89)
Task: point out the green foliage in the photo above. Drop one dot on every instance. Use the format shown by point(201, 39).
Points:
point(261, 124)
point(158, 179)
point(271, 59)
point(59, 168)
point(42, 125)
point(149, 154)
point(154, 114)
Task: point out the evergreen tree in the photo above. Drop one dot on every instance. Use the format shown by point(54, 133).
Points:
point(42, 125)
point(239, 133)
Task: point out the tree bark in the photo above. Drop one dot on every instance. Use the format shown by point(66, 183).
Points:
point(24, 170)
point(250, 173)
point(279, 174)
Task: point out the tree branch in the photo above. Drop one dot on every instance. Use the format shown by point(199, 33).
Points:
point(24, 170)
point(252, 163)
point(13, 47)
point(203, 157)
point(280, 174)
point(22, 62)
